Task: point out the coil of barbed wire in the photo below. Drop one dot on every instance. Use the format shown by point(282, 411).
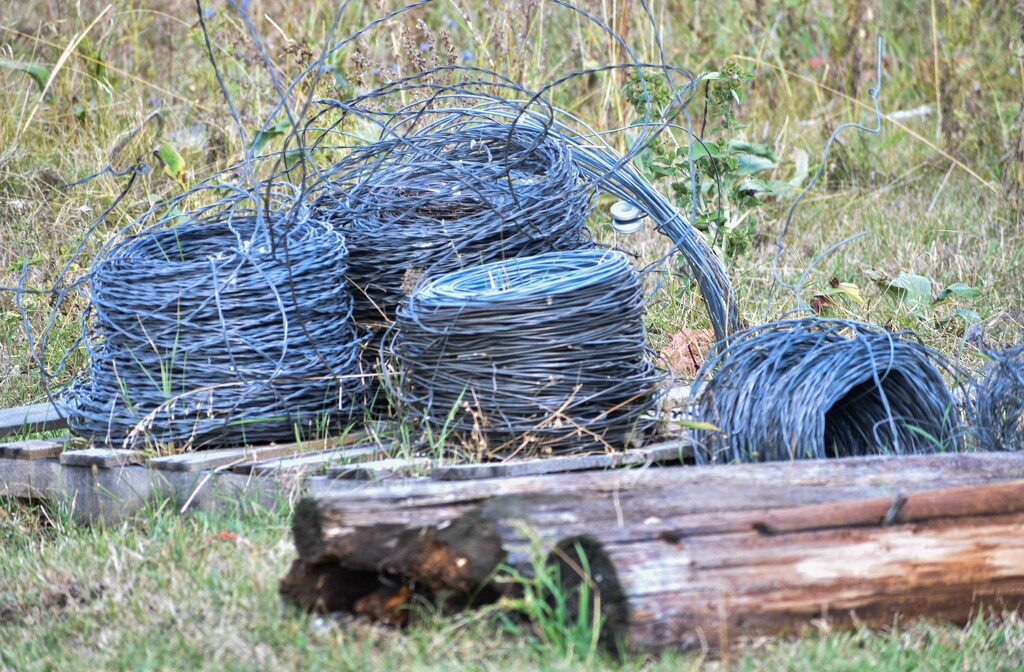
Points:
point(820, 388)
point(232, 326)
point(603, 168)
point(424, 205)
point(999, 401)
point(536, 355)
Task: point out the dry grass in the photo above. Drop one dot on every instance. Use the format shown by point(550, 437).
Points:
point(161, 593)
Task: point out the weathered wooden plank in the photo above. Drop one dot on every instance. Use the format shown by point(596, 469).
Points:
point(101, 458)
point(308, 463)
point(661, 453)
point(221, 458)
point(734, 480)
point(33, 418)
point(32, 449)
point(30, 479)
point(378, 470)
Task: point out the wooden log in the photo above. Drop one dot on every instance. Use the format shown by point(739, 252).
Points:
point(809, 537)
point(680, 498)
point(706, 591)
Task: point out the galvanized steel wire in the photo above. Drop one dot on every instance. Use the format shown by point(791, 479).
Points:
point(817, 388)
point(999, 401)
point(430, 203)
point(998, 396)
point(536, 355)
point(227, 327)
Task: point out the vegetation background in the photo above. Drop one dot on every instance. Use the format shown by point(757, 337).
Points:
point(87, 85)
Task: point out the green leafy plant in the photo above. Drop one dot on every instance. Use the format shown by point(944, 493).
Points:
point(915, 293)
point(721, 190)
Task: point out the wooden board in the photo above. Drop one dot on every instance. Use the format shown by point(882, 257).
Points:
point(223, 458)
point(34, 418)
point(307, 463)
point(101, 458)
point(377, 470)
point(220, 458)
point(32, 449)
point(672, 451)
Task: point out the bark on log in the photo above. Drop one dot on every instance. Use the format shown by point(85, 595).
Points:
point(705, 591)
point(691, 555)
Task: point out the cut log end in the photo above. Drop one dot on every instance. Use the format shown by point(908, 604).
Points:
point(588, 584)
point(326, 588)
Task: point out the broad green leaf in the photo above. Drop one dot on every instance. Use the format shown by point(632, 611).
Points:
point(968, 316)
point(700, 150)
point(174, 164)
point(752, 184)
point(712, 76)
point(957, 289)
point(755, 148)
point(39, 74)
point(279, 128)
point(914, 290)
point(18, 264)
point(292, 157)
point(751, 163)
point(848, 290)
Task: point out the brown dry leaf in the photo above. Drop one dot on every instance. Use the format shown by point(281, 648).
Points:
point(819, 302)
point(686, 353)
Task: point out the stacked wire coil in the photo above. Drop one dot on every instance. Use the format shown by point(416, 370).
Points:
point(428, 204)
point(228, 328)
point(537, 355)
point(815, 388)
point(999, 401)
point(608, 171)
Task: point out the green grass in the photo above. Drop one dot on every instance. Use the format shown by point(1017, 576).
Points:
point(178, 592)
point(935, 195)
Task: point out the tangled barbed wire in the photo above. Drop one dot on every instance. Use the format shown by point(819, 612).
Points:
point(816, 388)
point(220, 327)
point(999, 401)
point(431, 203)
point(537, 355)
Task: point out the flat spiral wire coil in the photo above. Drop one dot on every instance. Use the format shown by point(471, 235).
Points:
point(221, 330)
point(425, 205)
point(537, 355)
point(999, 401)
point(821, 388)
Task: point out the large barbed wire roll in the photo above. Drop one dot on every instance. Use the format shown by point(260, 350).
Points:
point(434, 203)
point(231, 327)
point(999, 401)
point(819, 388)
point(605, 170)
point(537, 355)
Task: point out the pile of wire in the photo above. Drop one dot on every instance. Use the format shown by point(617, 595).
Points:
point(999, 401)
point(537, 355)
point(432, 203)
point(821, 388)
point(231, 327)
point(608, 171)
